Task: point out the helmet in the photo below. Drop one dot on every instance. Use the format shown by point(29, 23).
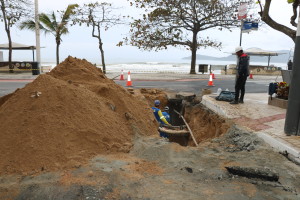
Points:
point(166, 108)
point(239, 48)
point(157, 102)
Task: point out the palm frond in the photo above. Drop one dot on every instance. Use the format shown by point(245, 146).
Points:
point(54, 21)
point(69, 12)
point(46, 21)
point(28, 24)
point(64, 31)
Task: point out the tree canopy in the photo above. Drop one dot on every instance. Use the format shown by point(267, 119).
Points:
point(98, 16)
point(179, 22)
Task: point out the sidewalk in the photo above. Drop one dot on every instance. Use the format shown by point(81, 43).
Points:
point(257, 116)
point(17, 76)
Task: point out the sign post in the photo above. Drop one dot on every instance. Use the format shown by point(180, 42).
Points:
point(242, 14)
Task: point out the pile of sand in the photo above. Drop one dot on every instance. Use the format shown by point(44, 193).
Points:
point(67, 116)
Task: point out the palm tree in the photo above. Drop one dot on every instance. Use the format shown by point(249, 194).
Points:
point(49, 24)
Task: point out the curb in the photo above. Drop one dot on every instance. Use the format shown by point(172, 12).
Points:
point(278, 144)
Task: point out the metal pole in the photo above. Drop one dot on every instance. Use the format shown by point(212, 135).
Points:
point(32, 54)
point(292, 120)
point(241, 34)
point(37, 35)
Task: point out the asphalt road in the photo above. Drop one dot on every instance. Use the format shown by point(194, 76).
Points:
point(183, 85)
point(196, 86)
point(9, 86)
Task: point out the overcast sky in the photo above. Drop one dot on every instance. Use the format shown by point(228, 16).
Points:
point(79, 43)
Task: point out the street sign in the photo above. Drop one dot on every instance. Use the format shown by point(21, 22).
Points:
point(242, 11)
point(254, 26)
point(247, 26)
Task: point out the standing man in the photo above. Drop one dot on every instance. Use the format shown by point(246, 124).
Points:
point(290, 65)
point(242, 72)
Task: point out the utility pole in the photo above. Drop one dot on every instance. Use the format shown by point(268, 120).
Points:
point(37, 35)
point(292, 120)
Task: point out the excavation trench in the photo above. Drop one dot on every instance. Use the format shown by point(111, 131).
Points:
point(204, 123)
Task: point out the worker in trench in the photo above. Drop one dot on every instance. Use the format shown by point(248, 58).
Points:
point(166, 114)
point(163, 118)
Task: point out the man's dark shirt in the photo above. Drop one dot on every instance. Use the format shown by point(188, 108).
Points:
point(243, 65)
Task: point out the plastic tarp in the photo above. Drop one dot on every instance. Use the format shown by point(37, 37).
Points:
point(226, 96)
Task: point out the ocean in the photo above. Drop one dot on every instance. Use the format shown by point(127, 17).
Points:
point(160, 67)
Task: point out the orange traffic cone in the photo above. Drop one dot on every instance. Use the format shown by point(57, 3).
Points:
point(210, 82)
point(213, 75)
point(251, 75)
point(129, 83)
point(122, 76)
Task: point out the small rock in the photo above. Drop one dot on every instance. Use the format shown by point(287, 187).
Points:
point(90, 173)
point(128, 116)
point(189, 170)
point(112, 107)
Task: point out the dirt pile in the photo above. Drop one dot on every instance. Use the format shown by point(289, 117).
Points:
point(65, 117)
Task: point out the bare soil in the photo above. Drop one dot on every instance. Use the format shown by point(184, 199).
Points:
point(158, 169)
point(74, 134)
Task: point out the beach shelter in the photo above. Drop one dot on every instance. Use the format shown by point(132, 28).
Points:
point(254, 51)
point(18, 46)
point(260, 52)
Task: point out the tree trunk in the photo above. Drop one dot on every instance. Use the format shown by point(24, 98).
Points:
point(7, 30)
point(194, 53)
point(57, 49)
point(102, 55)
point(11, 67)
point(279, 27)
point(100, 45)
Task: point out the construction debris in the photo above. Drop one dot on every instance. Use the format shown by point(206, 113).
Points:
point(35, 94)
point(262, 173)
